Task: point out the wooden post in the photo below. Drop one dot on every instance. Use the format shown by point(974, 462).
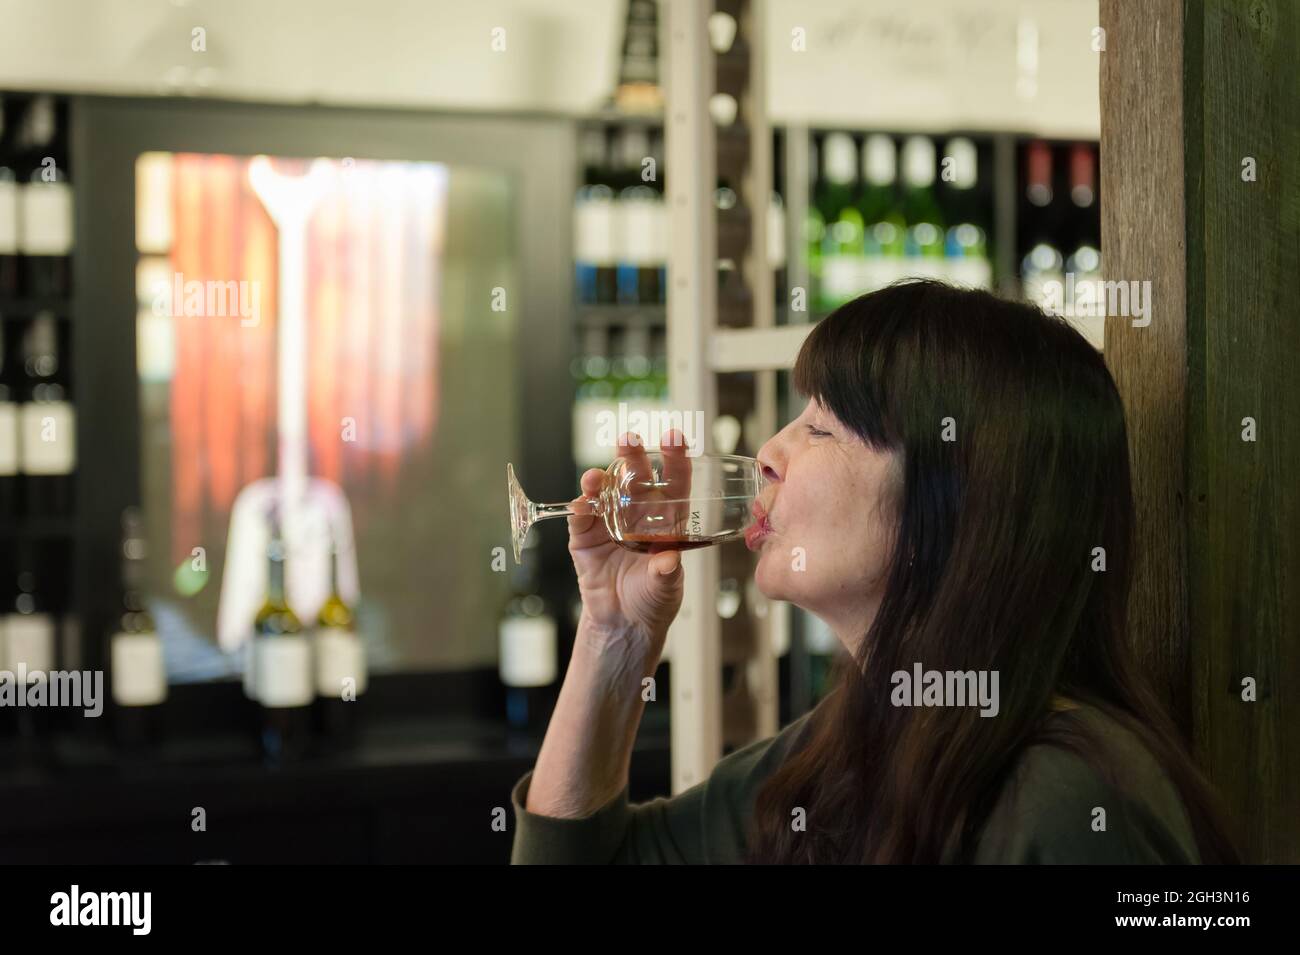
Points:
point(1200, 130)
point(690, 153)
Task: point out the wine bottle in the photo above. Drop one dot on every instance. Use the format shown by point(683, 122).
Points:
point(776, 247)
point(637, 391)
point(1080, 243)
point(139, 677)
point(8, 679)
point(30, 639)
point(638, 88)
point(632, 147)
point(615, 381)
point(638, 268)
point(656, 386)
point(341, 676)
point(966, 243)
point(527, 643)
point(593, 153)
point(841, 254)
point(1082, 226)
point(591, 400)
point(9, 429)
point(660, 223)
point(1083, 176)
point(813, 231)
point(1042, 268)
point(1038, 174)
point(8, 209)
point(733, 220)
point(594, 220)
point(47, 435)
point(883, 224)
point(1042, 276)
point(633, 226)
point(282, 666)
point(632, 219)
point(924, 241)
point(45, 217)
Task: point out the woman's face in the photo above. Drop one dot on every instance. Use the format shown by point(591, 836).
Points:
point(829, 521)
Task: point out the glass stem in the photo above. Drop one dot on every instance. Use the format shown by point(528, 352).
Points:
point(543, 511)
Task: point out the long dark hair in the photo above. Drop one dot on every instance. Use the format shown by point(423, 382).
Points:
point(1015, 468)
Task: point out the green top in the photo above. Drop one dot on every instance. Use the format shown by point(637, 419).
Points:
point(1044, 813)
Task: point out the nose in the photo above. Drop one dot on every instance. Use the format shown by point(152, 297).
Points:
point(770, 460)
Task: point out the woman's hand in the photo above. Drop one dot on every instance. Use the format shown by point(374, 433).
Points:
point(628, 601)
point(624, 593)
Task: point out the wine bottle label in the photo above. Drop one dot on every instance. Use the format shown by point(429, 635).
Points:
point(527, 651)
point(614, 255)
point(638, 231)
point(879, 160)
point(8, 439)
point(8, 217)
point(339, 658)
point(918, 161)
point(594, 231)
point(926, 267)
point(841, 158)
point(877, 271)
point(971, 271)
point(841, 275)
point(29, 640)
point(49, 437)
point(45, 219)
point(282, 670)
point(139, 677)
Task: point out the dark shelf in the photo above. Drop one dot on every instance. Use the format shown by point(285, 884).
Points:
point(622, 315)
point(24, 308)
point(51, 528)
point(418, 791)
point(614, 117)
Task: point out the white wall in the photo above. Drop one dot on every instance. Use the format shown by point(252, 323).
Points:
point(560, 54)
point(937, 64)
point(900, 64)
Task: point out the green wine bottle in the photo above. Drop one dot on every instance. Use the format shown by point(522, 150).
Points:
point(842, 249)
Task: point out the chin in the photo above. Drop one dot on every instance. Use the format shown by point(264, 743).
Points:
point(769, 576)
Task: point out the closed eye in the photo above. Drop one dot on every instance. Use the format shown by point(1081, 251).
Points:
point(818, 433)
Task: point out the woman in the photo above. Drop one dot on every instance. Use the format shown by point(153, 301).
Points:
point(958, 485)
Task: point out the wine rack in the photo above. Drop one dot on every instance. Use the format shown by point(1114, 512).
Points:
point(39, 537)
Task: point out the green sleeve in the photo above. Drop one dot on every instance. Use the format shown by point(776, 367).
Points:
point(662, 831)
point(704, 824)
point(1048, 814)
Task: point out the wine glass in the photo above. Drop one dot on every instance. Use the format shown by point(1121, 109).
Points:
point(653, 502)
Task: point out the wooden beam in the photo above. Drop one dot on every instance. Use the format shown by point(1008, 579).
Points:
point(1197, 94)
point(1142, 236)
point(690, 154)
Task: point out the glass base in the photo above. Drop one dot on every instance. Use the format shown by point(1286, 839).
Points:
point(522, 513)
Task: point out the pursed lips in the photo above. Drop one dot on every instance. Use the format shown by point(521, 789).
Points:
point(761, 528)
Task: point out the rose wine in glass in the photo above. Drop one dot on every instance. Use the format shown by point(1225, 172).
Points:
point(652, 502)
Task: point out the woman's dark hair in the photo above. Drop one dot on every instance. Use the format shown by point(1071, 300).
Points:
point(1015, 468)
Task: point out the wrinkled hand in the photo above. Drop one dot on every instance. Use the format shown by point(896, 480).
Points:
point(624, 591)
